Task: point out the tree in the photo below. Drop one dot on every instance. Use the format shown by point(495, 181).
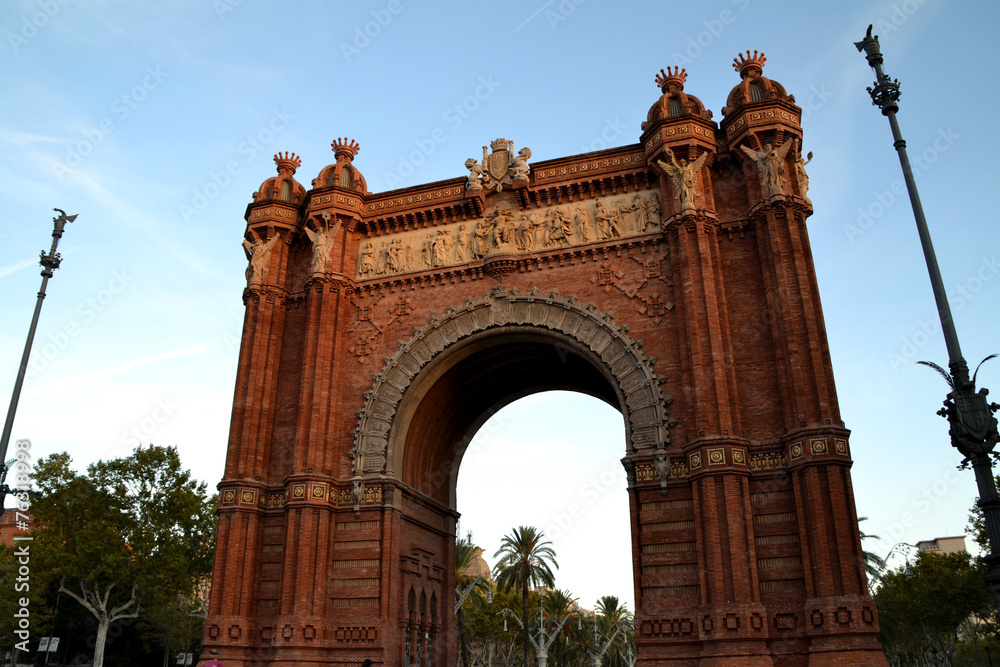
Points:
point(525, 559)
point(492, 641)
point(874, 564)
point(615, 625)
point(924, 607)
point(977, 524)
point(465, 556)
point(558, 605)
point(134, 533)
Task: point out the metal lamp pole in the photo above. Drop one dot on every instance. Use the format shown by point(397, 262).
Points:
point(49, 262)
point(973, 428)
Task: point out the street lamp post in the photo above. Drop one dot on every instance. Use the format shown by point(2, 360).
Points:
point(902, 546)
point(50, 262)
point(973, 428)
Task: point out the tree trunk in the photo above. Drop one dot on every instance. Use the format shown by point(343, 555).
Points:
point(102, 637)
point(460, 620)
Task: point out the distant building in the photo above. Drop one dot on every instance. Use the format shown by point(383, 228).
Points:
point(8, 526)
point(943, 545)
point(479, 566)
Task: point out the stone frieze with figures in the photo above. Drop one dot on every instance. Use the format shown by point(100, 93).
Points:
point(509, 230)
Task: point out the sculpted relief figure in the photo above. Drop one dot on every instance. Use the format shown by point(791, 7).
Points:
point(322, 241)
point(382, 266)
point(507, 229)
point(556, 227)
point(425, 252)
point(602, 221)
point(408, 255)
point(479, 240)
point(640, 214)
point(366, 264)
point(441, 248)
point(520, 169)
point(258, 252)
point(770, 166)
point(524, 235)
point(800, 167)
point(503, 227)
point(684, 176)
point(616, 219)
point(655, 212)
point(608, 224)
point(475, 173)
point(459, 244)
point(566, 225)
point(582, 220)
point(397, 256)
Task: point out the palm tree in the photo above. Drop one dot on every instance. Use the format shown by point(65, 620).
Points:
point(525, 559)
point(874, 564)
point(465, 556)
point(559, 604)
point(615, 620)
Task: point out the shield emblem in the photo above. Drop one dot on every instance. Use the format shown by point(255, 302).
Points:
point(974, 415)
point(497, 163)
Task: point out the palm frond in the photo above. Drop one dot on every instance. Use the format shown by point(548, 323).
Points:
point(974, 374)
point(945, 374)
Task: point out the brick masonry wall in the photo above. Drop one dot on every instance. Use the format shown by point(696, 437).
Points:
point(359, 386)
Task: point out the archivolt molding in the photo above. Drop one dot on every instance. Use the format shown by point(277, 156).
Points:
point(637, 382)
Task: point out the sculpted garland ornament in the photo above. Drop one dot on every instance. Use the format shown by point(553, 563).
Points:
point(635, 379)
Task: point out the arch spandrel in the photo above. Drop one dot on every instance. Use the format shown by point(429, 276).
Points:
point(643, 403)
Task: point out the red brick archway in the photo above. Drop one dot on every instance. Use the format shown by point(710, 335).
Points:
point(383, 329)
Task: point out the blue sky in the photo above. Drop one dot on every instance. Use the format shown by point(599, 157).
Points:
point(156, 121)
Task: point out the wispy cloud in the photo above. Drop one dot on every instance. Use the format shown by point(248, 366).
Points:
point(25, 138)
point(23, 264)
point(72, 382)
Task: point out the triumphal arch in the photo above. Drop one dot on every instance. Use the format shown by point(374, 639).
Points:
point(671, 278)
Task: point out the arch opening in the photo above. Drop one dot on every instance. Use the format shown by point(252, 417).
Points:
point(551, 460)
point(463, 388)
point(389, 445)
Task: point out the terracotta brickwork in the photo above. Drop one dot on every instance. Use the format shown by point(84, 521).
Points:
point(671, 278)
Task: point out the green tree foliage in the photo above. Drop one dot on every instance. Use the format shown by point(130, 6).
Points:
point(465, 556)
point(924, 608)
point(133, 536)
point(494, 635)
point(560, 617)
point(526, 559)
point(977, 525)
point(615, 630)
point(874, 565)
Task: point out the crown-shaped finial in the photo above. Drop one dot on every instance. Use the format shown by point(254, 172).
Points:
point(747, 64)
point(287, 161)
point(345, 148)
point(500, 144)
point(671, 80)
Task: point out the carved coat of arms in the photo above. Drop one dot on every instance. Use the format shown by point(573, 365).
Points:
point(499, 167)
